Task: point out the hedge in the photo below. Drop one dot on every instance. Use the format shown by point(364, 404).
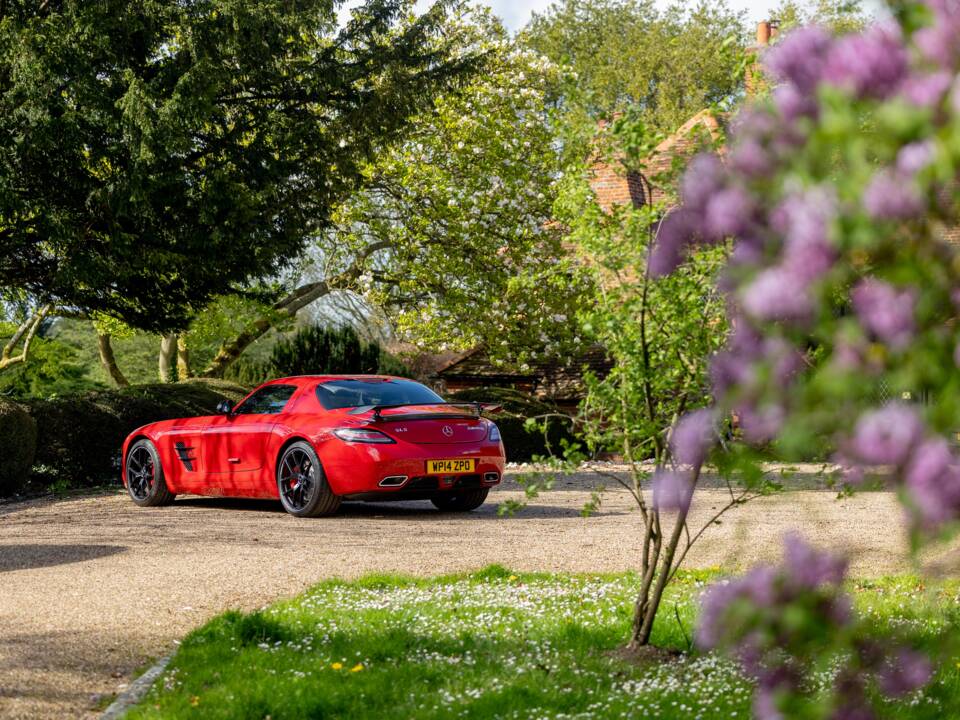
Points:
point(521, 445)
point(79, 437)
point(18, 443)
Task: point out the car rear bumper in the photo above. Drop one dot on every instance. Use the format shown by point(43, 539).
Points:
point(425, 487)
point(399, 470)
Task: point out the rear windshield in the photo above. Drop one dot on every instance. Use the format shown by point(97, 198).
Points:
point(358, 393)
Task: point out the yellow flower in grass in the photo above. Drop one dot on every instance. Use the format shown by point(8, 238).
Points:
point(337, 666)
point(357, 668)
point(512, 577)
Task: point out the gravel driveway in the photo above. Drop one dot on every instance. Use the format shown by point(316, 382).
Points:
point(93, 588)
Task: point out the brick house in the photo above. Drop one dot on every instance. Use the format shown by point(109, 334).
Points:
point(560, 381)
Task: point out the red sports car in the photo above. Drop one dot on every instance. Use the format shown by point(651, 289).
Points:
point(314, 441)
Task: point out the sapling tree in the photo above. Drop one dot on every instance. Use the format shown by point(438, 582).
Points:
point(658, 331)
point(842, 288)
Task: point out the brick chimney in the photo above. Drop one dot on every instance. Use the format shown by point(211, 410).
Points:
point(612, 183)
point(766, 31)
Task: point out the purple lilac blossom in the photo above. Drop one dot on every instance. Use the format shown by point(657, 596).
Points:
point(704, 177)
point(692, 437)
point(955, 96)
point(760, 424)
point(869, 64)
point(792, 104)
point(714, 603)
point(672, 490)
point(725, 372)
point(808, 567)
point(677, 231)
point(938, 41)
point(804, 219)
point(778, 293)
point(926, 90)
point(786, 361)
point(765, 704)
point(754, 122)
point(751, 159)
point(847, 356)
point(851, 472)
point(906, 672)
point(887, 436)
point(885, 312)
point(932, 480)
point(851, 703)
point(916, 156)
point(735, 364)
point(892, 196)
point(799, 57)
point(759, 586)
point(746, 251)
point(727, 213)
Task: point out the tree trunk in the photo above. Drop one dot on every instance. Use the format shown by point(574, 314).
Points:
point(288, 307)
point(167, 359)
point(183, 359)
point(648, 601)
point(26, 332)
point(108, 360)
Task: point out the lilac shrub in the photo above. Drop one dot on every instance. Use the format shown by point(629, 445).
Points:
point(786, 624)
point(842, 291)
point(843, 294)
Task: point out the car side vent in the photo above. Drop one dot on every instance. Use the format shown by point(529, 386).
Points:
point(185, 454)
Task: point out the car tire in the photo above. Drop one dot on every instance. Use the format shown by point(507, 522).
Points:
point(460, 500)
point(302, 484)
point(145, 481)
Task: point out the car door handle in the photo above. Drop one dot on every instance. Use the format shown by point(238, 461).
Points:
point(233, 460)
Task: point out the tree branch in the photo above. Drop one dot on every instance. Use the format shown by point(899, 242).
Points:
point(26, 332)
point(288, 307)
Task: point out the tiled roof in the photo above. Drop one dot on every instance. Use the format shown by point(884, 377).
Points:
point(558, 378)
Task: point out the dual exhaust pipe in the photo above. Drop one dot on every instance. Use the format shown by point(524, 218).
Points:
point(395, 481)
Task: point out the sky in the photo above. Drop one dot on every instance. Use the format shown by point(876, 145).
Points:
point(515, 13)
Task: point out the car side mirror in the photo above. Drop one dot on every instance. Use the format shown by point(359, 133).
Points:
point(224, 408)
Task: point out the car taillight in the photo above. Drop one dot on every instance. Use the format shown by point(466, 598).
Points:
point(360, 435)
point(494, 434)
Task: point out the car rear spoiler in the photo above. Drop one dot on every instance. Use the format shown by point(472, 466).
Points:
point(478, 409)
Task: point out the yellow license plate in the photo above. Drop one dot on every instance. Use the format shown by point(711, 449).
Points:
point(448, 467)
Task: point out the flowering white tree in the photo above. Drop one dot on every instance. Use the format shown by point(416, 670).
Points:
point(451, 234)
point(462, 211)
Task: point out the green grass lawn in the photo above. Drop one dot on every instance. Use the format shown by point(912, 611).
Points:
point(490, 644)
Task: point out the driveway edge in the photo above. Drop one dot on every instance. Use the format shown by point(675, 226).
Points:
point(136, 691)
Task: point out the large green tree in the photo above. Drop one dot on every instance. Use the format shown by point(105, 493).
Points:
point(452, 232)
point(841, 16)
point(670, 63)
point(156, 153)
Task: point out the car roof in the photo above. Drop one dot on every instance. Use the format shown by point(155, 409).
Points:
point(304, 379)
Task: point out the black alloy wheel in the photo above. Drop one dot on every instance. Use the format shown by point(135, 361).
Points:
point(144, 475)
point(302, 484)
